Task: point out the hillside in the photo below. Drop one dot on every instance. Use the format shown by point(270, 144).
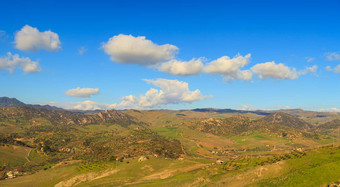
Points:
point(24, 115)
point(331, 128)
point(288, 120)
point(239, 125)
point(171, 143)
point(8, 102)
point(329, 125)
point(58, 135)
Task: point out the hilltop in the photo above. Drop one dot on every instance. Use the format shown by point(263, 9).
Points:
point(288, 120)
point(8, 102)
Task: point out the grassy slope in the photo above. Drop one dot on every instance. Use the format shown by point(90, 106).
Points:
point(43, 178)
point(318, 167)
point(13, 155)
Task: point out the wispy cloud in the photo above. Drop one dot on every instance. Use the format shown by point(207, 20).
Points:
point(336, 69)
point(248, 107)
point(310, 59)
point(334, 109)
point(3, 35)
point(82, 50)
point(332, 56)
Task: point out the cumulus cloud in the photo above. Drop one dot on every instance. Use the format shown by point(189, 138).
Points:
point(280, 71)
point(12, 62)
point(31, 39)
point(127, 49)
point(171, 92)
point(176, 67)
point(333, 56)
point(275, 71)
point(230, 68)
point(84, 105)
point(310, 59)
point(247, 107)
point(82, 92)
point(82, 50)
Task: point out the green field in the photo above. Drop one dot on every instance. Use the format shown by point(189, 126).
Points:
point(300, 170)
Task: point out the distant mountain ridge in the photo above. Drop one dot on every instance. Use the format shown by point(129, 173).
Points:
point(259, 112)
point(64, 117)
point(11, 102)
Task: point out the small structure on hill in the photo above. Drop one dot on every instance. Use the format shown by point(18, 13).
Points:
point(142, 158)
point(12, 174)
point(219, 162)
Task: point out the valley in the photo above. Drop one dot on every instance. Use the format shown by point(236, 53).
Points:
point(167, 148)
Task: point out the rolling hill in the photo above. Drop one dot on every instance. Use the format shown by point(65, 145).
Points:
point(288, 120)
point(217, 144)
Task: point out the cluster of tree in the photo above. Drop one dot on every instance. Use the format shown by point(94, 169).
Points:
point(12, 139)
point(241, 163)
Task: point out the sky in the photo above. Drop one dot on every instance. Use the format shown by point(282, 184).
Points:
point(238, 54)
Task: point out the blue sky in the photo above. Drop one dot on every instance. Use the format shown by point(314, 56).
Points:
point(287, 32)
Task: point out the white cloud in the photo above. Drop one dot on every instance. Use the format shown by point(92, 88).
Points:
point(85, 105)
point(12, 62)
point(336, 69)
point(329, 68)
point(176, 67)
point(31, 39)
point(329, 109)
point(275, 71)
point(332, 56)
point(82, 50)
point(247, 107)
point(230, 68)
point(82, 92)
point(311, 69)
point(171, 92)
point(127, 49)
point(280, 71)
point(310, 59)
